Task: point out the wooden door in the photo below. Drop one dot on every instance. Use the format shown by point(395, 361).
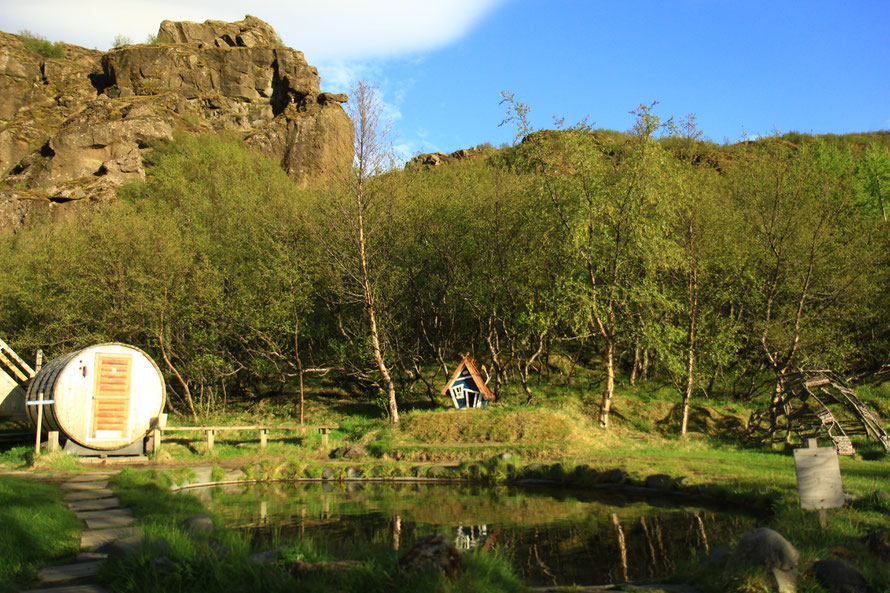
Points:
point(111, 397)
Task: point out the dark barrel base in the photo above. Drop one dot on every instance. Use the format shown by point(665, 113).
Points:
point(72, 448)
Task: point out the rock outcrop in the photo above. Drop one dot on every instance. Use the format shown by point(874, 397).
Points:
point(839, 576)
point(73, 129)
point(435, 552)
point(765, 553)
point(251, 32)
point(434, 159)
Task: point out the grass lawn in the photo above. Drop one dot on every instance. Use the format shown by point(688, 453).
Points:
point(36, 529)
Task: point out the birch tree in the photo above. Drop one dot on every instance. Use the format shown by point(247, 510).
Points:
point(351, 232)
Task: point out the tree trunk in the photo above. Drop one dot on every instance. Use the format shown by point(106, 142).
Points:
point(526, 365)
point(687, 396)
point(606, 405)
point(392, 405)
point(690, 354)
point(636, 366)
point(778, 394)
point(389, 386)
point(644, 369)
point(298, 360)
point(493, 351)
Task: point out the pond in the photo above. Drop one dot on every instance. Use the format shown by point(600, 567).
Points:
point(552, 537)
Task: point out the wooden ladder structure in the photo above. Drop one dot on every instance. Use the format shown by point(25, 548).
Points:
point(19, 370)
point(817, 403)
point(824, 388)
point(834, 429)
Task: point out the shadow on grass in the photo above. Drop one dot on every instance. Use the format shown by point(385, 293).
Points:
point(704, 420)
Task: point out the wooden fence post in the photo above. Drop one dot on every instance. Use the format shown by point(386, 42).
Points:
point(52, 441)
point(39, 422)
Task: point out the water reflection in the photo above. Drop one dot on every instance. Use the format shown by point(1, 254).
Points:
point(553, 537)
point(469, 536)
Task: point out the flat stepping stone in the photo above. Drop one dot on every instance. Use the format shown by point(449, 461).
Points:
point(106, 519)
point(69, 572)
point(94, 538)
point(87, 515)
point(91, 556)
point(99, 504)
point(94, 477)
point(91, 485)
point(88, 494)
point(69, 589)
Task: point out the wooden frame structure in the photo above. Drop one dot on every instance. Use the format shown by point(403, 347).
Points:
point(818, 403)
point(210, 432)
point(20, 369)
point(466, 387)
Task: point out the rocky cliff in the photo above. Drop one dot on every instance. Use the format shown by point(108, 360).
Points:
point(72, 129)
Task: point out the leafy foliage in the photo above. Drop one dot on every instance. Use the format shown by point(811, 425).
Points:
point(121, 40)
point(41, 45)
point(646, 254)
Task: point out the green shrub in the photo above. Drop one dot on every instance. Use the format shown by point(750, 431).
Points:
point(217, 474)
point(121, 40)
point(17, 456)
point(41, 45)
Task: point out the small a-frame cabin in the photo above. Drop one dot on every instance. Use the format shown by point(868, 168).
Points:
point(466, 387)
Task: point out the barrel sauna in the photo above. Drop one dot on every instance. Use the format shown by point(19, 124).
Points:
point(105, 397)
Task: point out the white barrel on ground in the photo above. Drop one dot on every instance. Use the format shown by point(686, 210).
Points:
point(105, 397)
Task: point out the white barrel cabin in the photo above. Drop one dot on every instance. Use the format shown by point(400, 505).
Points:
point(104, 398)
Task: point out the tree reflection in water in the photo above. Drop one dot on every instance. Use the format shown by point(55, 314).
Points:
point(554, 537)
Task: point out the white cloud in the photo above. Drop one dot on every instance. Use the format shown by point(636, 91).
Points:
point(324, 30)
point(338, 75)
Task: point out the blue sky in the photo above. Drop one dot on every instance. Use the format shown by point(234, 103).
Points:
point(744, 67)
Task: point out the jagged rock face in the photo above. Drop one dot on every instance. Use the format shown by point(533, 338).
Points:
point(251, 32)
point(434, 159)
point(75, 128)
point(38, 94)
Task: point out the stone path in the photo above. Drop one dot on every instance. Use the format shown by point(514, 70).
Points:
point(93, 503)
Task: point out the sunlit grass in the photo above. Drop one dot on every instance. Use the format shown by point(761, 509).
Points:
point(35, 529)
